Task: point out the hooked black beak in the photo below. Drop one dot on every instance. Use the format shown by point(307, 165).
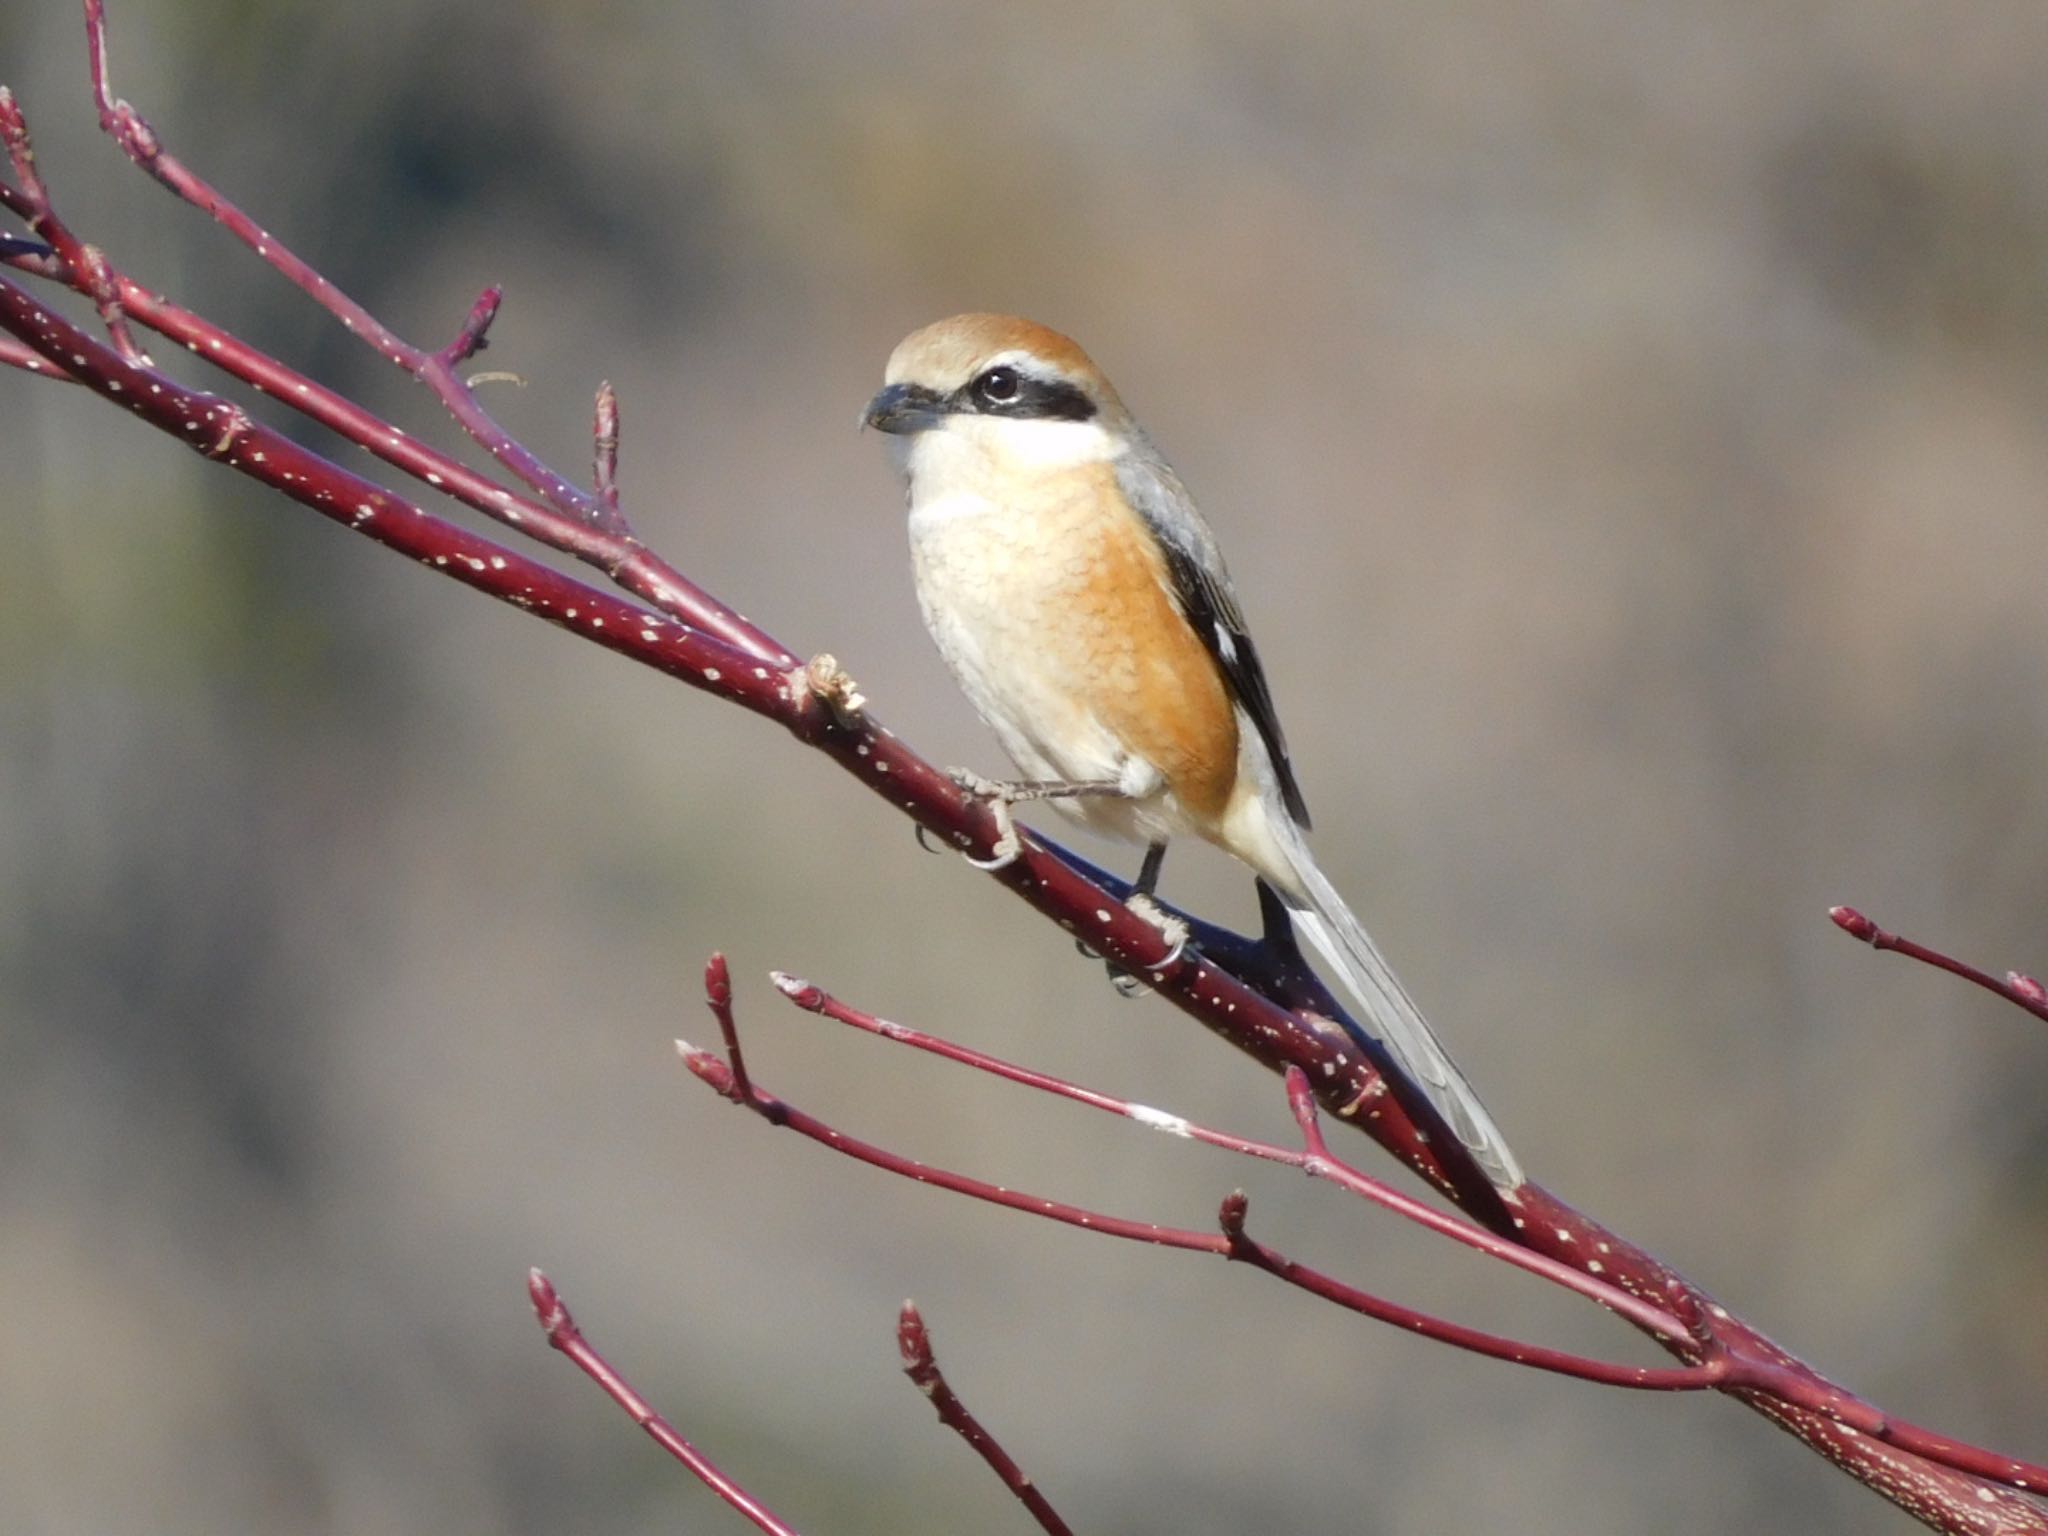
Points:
point(904, 408)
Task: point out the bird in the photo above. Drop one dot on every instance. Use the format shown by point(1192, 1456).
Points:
point(1083, 604)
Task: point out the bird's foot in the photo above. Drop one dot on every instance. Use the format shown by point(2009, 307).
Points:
point(997, 797)
point(1171, 928)
point(975, 787)
point(1127, 983)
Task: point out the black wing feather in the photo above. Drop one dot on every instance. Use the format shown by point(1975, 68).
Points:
point(1201, 586)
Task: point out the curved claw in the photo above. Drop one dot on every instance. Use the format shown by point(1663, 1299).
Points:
point(1007, 844)
point(923, 839)
point(1171, 928)
point(1005, 855)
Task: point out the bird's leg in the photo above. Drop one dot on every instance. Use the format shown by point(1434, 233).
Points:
point(1001, 794)
point(1140, 901)
point(1017, 791)
point(1138, 781)
point(1148, 872)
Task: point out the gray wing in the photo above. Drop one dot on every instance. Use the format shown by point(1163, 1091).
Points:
point(1201, 586)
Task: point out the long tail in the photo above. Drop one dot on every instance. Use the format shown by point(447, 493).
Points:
point(1390, 1013)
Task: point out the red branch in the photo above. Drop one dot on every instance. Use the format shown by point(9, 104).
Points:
point(1228, 1244)
point(914, 1341)
point(570, 520)
point(562, 1332)
point(1745, 1366)
point(2022, 991)
point(16, 355)
point(83, 264)
point(604, 472)
point(1315, 1160)
point(1255, 993)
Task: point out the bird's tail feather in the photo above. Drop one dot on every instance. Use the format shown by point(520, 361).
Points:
point(1390, 1013)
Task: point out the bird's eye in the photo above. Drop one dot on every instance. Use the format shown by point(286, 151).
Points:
point(998, 386)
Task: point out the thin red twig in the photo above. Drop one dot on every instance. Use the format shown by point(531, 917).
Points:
point(84, 264)
point(15, 355)
point(574, 522)
point(718, 1073)
point(562, 1332)
point(605, 458)
point(1729, 1366)
point(1316, 1160)
point(718, 993)
point(222, 431)
point(2020, 990)
point(921, 1365)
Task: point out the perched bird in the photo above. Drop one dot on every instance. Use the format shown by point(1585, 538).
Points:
point(1083, 604)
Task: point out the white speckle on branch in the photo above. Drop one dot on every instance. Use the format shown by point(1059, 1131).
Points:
point(1159, 1120)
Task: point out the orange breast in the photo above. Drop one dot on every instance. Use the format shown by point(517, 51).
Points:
point(1146, 675)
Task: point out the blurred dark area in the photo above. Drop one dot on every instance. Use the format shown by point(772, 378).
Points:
point(1629, 430)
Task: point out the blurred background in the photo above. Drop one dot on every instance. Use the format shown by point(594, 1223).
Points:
point(1630, 435)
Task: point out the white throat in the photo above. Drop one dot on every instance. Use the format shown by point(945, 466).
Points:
point(981, 453)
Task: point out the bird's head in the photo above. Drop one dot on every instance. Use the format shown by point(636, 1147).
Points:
point(1000, 389)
